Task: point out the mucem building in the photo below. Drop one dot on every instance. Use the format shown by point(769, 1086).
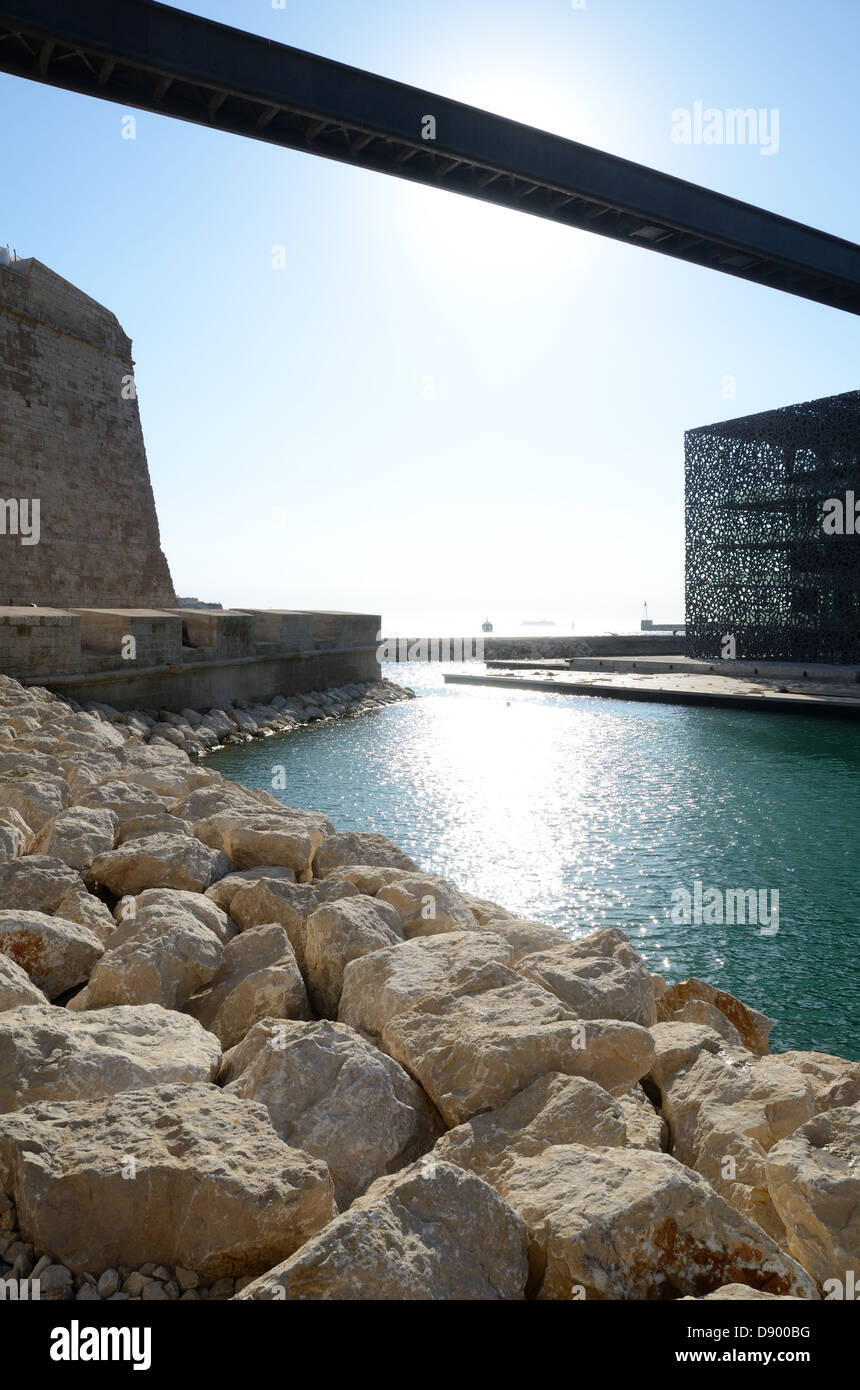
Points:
point(773, 534)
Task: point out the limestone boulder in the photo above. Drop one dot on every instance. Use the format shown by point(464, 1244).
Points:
point(258, 978)
point(77, 835)
point(253, 838)
point(526, 938)
point(427, 905)
point(485, 911)
point(813, 1178)
point(725, 1110)
point(162, 904)
point(51, 1054)
point(220, 797)
point(16, 837)
point(127, 801)
point(599, 976)
point(290, 904)
point(333, 1095)
point(88, 911)
point(178, 1175)
point(701, 1011)
point(56, 955)
point(337, 933)
point(360, 847)
point(223, 892)
point(37, 799)
point(622, 1223)
point(163, 959)
point(160, 861)
point(424, 1234)
point(555, 1109)
point(369, 878)
point(16, 987)
point(835, 1081)
point(158, 823)
point(752, 1027)
point(676, 1045)
point(38, 882)
point(384, 983)
point(474, 1047)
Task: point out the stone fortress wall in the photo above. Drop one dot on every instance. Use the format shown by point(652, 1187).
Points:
point(69, 438)
point(94, 575)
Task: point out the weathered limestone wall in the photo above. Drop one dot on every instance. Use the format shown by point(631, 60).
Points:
point(39, 639)
point(69, 438)
point(214, 684)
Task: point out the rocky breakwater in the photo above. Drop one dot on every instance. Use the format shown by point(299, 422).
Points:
point(197, 732)
point(353, 1080)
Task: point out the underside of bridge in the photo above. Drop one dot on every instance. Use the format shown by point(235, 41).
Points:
point(156, 58)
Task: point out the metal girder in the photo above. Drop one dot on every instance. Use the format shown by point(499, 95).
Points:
point(153, 57)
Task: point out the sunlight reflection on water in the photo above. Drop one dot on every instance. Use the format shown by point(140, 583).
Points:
point(586, 813)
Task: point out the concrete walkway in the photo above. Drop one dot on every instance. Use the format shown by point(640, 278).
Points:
point(681, 688)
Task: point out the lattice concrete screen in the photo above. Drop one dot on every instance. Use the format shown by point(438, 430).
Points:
point(773, 534)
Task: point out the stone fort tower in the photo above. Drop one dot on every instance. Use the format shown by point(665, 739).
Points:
point(69, 438)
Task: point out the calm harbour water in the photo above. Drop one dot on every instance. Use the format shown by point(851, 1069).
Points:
point(585, 813)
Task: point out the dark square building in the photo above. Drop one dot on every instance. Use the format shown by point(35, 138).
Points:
point(773, 534)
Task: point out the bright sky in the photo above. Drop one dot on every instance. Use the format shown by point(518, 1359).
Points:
point(439, 410)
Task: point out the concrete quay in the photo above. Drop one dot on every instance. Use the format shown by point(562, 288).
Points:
point(678, 687)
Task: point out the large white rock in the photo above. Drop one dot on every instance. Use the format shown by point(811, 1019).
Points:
point(726, 1107)
point(290, 904)
point(158, 904)
point(251, 838)
point(258, 978)
point(16, 987)
point(622, 1223)
point(475, 1046)
point(427, 905)
point(382, 984)
point(599, 976)
point(88, 911)
point(835, 1081)
point(16, 837)
point(425, 1234)
point(555, 1109)
point(77, 835)
point(159, 861)
point(56, 954)
point(223, 892)
point(179, 1175)
point(335, 1096)
point(126, 800)
point(158, 958)
point(360, 847)
point(36, 798)
point(38, 882)
point(814, 1181)
point(752, 1027)
point(337, 933)
point(526, 937)
point(50, 1054)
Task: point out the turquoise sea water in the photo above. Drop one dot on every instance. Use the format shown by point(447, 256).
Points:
point(586, 812)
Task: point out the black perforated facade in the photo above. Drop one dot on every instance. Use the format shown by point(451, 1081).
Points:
point(773, 534)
